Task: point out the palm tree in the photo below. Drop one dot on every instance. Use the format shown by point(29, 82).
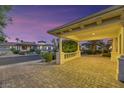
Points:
point(17, 40)
point(6, 41)
point(21, 41)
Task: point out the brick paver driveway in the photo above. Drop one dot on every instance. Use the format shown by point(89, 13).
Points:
point(83, 72)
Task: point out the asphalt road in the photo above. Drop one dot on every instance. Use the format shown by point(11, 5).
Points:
point(18, 59)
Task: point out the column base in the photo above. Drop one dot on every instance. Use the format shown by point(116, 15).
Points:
point(114, 56)
point(59, 58)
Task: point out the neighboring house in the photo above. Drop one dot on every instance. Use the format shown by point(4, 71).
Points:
point(27, 46)
point(40, 45)
point(48, 47)
point(86, 46)
point(43, 46)
point(22, 46)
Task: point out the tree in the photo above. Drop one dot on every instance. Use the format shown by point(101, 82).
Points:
point(4, 19)
point(4, 9)
point(21, 41)
point(101, 44)
point(17, 40)
point(108, 45)
point(5, 41)
point(55, 44)
point(95, 43)
point(2, 39)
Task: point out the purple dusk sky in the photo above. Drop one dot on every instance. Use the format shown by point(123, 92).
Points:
point(31, 23)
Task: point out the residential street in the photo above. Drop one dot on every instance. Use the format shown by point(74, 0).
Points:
point(18, 59)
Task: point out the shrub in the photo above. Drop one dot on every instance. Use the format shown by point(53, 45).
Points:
point(106, 54)
point(38, 51)
point(22, 53)
point(42, 54)
point(98, 52)
point(2, 39)
point(47, 56)
point(32, 50)
point(54, 55)
point(69, 46)
point(15, 51)
point(87, 52)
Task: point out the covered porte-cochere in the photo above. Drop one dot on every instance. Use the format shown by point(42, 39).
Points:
point(108, 23)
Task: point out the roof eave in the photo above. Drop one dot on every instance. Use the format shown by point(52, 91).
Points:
point(85, 18)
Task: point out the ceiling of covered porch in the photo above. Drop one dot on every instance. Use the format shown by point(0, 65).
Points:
point(94, 33)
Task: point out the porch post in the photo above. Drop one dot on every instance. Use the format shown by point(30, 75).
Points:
point(114, 45)
point(114, 52)
point(119, 44)
point(78, 49)
point(120, 65)
point(122, 40)
point(60, 54)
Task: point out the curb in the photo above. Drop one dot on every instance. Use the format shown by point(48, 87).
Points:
point(17, 64)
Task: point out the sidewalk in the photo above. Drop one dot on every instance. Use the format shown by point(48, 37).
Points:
point(20, 64)
point(15, 55)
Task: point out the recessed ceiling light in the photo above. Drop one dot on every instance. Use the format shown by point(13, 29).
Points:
point(93, 33)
